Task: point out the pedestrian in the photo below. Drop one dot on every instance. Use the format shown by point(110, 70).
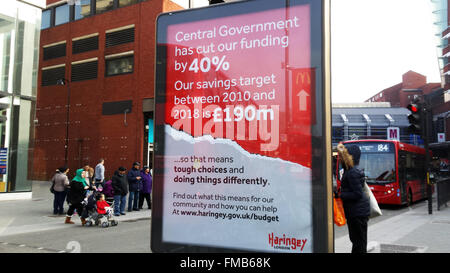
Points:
point(89, 177)
point(146, 187)
point(102, 205)
point(99, 177)
point(120, 187)
point(134, 184)
point(76, 195)
point(356, 203)
point(61, 182)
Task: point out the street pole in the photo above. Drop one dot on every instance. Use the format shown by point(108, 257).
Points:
point(66, 145)
point(426, 127)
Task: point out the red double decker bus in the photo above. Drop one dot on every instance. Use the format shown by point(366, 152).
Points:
point(395, 171)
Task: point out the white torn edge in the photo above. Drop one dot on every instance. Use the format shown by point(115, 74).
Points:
point(181, 135)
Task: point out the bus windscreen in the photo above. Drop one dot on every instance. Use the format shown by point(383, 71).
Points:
point(377, 161)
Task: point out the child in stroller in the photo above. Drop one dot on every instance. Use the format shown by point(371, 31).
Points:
point(105, 212)
point(98, 210)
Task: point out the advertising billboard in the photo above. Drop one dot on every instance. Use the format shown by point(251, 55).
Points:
point(240, 134)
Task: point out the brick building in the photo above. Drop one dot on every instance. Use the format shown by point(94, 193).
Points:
point(400, 95)
point(414, 85)
point(104, 49)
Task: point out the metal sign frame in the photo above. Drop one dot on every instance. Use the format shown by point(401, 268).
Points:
point(321, 156)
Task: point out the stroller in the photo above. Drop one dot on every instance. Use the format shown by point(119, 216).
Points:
point(103, 220)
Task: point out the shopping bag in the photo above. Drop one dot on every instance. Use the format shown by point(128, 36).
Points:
point(374, 208)
point(339, 215)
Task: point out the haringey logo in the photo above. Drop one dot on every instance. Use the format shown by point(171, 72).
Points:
point(288, 243)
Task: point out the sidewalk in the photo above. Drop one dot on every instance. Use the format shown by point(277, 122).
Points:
point(414, 231)
point(24, 216)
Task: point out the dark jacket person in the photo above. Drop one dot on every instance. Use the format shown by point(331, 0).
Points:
point(134, 182)
point(77, 193)
point(119, 183)
point(356, 203)
point(120, 186)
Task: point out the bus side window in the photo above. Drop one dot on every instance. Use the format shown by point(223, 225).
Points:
point(411, 163)
point(401, 166)
point(420, 167)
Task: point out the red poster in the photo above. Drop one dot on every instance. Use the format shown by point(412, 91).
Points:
point(226, 79)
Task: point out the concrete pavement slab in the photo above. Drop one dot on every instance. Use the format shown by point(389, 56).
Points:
point(24, 216)
point(414, 231)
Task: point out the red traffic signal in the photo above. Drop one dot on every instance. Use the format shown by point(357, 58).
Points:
point(413, 107)
point(415, 119)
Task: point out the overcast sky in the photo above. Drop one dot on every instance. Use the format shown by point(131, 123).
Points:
point(374, 42)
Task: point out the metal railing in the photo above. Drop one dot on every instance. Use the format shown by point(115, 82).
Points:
point(442, 192)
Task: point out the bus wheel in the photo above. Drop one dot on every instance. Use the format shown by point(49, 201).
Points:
point(409, 198)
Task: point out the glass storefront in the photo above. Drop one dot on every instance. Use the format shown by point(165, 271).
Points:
point(20, 25)
point(439, 18)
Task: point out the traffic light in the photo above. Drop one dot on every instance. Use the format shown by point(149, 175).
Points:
point(212, 2)
point(414, 118)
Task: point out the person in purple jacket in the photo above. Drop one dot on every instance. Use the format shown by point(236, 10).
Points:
point(146, 187)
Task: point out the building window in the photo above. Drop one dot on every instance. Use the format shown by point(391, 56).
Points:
point(123, 3)
point(117, 107)
point(84, 71)
point(104, 5)
point(85, 44)
point(120, 37)
point(55, 51)
point(120, 65)
point(83, 9)
point(62, 14)
point(46, 19)
point(51, 75)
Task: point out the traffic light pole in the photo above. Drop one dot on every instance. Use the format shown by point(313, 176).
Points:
point(426, 112)
point(420, 124)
